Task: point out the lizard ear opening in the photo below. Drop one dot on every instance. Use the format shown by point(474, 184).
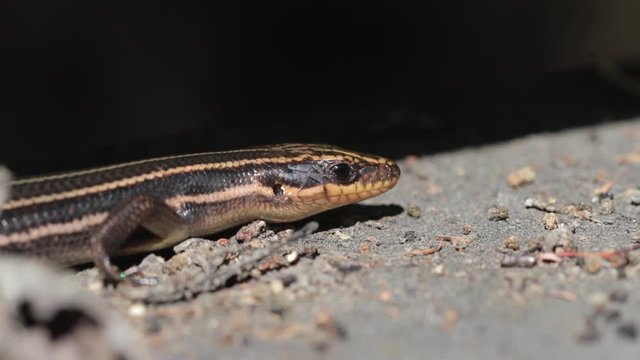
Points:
point(278, 190)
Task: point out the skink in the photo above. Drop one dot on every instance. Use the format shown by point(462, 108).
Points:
point(76, 217)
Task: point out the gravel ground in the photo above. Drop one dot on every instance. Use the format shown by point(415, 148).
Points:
point(519, 250)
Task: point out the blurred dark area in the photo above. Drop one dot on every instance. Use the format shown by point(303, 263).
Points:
point(91, 83)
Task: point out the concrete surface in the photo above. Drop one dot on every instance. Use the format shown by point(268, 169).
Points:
point(420, 272)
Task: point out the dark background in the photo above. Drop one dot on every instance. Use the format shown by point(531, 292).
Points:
point(85, 83)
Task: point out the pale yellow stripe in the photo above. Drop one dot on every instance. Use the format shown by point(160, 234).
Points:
point(53, 229)
point(231, 193)
point(301, 147)
point(118, 166)
point(120, 183)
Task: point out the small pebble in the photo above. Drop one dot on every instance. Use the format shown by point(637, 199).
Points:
point(438, 270)
point(550, 221)
point(512, 243)
point(619, 295)
point(451, 318)
point(582, 212)
point(292, 257)
point(277, 286)
point(593, 264)
point(566, 160)
point(251, 231)
point(635, 197)
point(326, 322)
point(459, 242)
point(521, 176)
point(634, 258)
point(410, 161)
point(629, 158)
point(137, 310)
point(560, 239)
point(96, 286)
point(612, 315)
point(460, 171)
point(409, 236)
point(534, 245)
point(604, 189)
point(589, 333)
point(601, 176)
point(375, 224)
point(549, 206)
point(606, 207)
point(414, 211)
point(523, 261)
point(628, 331)
point(385, 296)
point(288, 279)
point(425, 251)
point(598, 299)
point(618, 261)
point(364, 247)
point(498, 213)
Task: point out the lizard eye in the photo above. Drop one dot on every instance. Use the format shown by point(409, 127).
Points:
point(342, 172)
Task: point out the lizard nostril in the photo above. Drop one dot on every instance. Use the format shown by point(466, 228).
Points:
point(393, 169)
